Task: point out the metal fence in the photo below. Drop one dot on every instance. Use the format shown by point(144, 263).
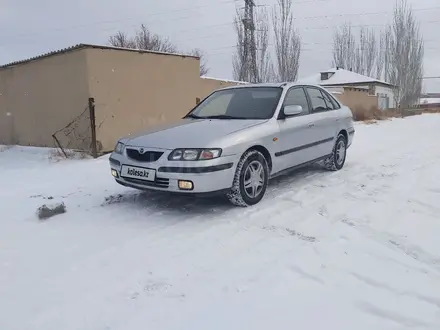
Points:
point(79, 135)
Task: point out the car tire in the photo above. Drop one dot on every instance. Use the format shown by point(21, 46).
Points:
point(253, 169)
point(337, 158)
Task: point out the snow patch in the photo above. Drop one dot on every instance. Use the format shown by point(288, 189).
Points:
point(358, 247)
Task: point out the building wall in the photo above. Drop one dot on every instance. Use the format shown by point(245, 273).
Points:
point(134, 91)
point(208, 85)
point(380, 92)
point(388, 92)
point(42, 96)
point(356, 98)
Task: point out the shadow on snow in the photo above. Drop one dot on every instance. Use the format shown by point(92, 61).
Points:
point(176, 204)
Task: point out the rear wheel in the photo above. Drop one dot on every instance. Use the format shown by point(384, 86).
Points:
point(337, 158)
point(250, 181)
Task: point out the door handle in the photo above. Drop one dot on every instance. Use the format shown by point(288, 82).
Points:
point(311, 125)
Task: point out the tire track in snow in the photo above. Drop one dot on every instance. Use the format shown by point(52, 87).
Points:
point(291, 193)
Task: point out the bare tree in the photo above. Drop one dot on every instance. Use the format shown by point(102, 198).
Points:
point(366, 54)
point(381, 56)
point(264, 63)
point(287, 42)
point(240, 65)
point(344, 47)
point(146, 40)
point(143, 39)
point(358, 53)
point(204, 69)
point(120, 39)
point(405, 52)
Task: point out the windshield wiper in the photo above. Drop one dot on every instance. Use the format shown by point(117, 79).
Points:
point(223, 117)
point(193, 116)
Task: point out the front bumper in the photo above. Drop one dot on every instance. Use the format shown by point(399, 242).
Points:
point(207, 176)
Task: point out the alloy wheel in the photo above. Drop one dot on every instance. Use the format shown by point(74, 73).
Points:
point(340, 152)
point(254, 179)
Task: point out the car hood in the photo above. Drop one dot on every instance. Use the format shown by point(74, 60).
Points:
point(189, 133)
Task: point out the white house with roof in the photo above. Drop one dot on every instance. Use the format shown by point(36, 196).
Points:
point(336, 79)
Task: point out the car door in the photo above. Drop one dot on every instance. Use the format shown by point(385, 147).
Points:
point(296, 132)
point(325, 120)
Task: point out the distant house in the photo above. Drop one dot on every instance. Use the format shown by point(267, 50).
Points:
point(429, 102)
point(343, 82)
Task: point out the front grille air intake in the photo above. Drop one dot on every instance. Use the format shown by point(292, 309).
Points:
point(147, 156)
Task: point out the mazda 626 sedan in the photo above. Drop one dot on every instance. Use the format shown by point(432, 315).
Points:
point(235, 140)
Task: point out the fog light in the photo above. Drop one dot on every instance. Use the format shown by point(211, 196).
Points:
point(115, 173)
point(185, 185)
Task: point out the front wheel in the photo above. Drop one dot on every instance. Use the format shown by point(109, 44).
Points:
point(250, 181)
point(336, 160)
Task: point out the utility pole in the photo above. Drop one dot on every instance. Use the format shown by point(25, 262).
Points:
point(249, 70)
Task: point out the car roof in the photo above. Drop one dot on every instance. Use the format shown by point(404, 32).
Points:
point(279, 85)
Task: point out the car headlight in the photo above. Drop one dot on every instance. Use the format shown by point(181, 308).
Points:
point(194, 154)
point(119, 148)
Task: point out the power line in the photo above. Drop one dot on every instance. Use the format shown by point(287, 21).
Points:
point(363, 14)
point(74, 27)
point(324, 28)
point(229, 24)
point(302, 50)
point(318, 49)
point(143, 17)
point(362, 25)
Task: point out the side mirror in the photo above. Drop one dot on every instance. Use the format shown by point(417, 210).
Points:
point(292, 110)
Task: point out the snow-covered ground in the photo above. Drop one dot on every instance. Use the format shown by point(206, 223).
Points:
point(357, 249)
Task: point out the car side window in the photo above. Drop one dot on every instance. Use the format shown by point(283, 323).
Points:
point(331, 102)
point(317, 99)
point(328, 101)
point(297, 96)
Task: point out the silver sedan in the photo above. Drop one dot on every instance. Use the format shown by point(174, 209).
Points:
point(237, 139)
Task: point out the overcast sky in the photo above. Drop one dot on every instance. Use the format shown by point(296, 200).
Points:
point(31, 27)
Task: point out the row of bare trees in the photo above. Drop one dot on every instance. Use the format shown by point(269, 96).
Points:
point(394, 55)
point(286, 48)
point(144, 39)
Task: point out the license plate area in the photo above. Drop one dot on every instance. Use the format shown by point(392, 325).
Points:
point(139, 173)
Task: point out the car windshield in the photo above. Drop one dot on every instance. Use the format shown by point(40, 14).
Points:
point(239, 103)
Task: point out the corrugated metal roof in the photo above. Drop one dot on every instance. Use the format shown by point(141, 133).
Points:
point(83, 46)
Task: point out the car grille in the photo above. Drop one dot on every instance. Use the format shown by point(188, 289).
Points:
point(148, 156)
point(159, 182)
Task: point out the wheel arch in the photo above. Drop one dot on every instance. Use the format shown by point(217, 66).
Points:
point(344, 133)
point(265, 153)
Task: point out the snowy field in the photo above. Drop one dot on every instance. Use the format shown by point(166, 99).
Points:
point(357, 249)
